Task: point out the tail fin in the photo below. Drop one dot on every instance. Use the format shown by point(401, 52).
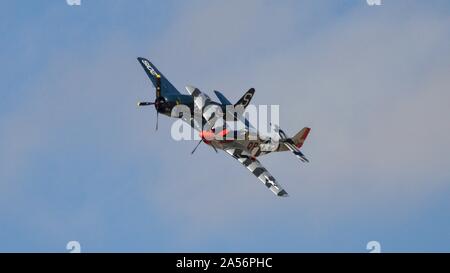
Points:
point(300, 137)
point(222, 98)
point(155, 76)
point(245, 100)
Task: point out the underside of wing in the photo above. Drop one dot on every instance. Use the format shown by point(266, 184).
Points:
point(254, 166)
point(205, 106)
point(200, 100)
point(194, 123)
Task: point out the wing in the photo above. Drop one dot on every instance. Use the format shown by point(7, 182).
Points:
point(196, 124)
point(254, 166)
point(235, 115)
point(152, 72)
point(204, 105)
point(200, 100)
point(222, 98)
point(210, 110)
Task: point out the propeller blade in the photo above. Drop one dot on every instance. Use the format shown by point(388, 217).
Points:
point(145, 103)
point(157, 119)
point(214, 148)
point(200, 142)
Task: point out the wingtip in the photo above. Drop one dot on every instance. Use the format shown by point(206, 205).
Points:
point(190, 89)
point(283, 193)
point(140, 59)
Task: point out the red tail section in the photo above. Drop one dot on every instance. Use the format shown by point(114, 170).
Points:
point(301, 136)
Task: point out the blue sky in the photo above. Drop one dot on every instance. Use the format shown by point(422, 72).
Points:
point(79, 161)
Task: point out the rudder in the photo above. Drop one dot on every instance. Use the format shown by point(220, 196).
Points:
point(300, 137)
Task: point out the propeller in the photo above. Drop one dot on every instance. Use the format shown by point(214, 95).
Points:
point(200, 142)
point(156, 104)
point(145, 103)
point(158, 101)
point(214, 147)
point(205, 138)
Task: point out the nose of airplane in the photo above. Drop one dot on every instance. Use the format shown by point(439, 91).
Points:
point(207, 135)
point(211, 135)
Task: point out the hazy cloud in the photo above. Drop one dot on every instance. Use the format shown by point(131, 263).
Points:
point(78, 157)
